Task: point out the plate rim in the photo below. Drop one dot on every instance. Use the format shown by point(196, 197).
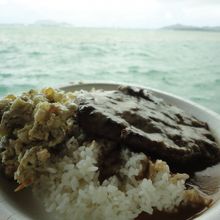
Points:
point(154, 90)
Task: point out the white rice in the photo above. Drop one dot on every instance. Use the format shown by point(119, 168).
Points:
point(70, 187)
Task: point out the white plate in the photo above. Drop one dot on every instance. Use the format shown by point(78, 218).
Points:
point(21, 205)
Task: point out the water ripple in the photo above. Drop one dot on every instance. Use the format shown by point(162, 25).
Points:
point(184, 63)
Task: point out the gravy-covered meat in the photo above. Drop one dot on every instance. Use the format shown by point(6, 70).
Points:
point(145, 123)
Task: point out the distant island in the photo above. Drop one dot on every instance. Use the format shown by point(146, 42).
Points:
point(181, 27)
point(39, 23)
point(50, 23)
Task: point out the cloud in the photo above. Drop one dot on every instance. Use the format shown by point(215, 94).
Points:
point(193, 2)
point(117, 13)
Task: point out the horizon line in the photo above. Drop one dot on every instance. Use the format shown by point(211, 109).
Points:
point(45, 22)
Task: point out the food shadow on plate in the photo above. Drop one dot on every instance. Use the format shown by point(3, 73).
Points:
point(22, 204)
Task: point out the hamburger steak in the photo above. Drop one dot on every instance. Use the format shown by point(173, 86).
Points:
point(135, 118)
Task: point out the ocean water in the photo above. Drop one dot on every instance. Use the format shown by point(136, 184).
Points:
point(184, 63)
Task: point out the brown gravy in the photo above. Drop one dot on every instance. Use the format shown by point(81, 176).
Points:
point(182, 214)
point(206, 181)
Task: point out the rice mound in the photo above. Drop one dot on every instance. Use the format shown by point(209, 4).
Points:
point(70, 186)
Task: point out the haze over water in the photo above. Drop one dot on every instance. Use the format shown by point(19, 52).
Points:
point(186, 63)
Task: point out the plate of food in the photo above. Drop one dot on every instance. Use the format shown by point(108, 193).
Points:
point(108, 151)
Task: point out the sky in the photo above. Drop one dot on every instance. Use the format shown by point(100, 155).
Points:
point(113, 13)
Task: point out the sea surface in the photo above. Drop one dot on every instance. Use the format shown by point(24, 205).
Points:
point(184, 63)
